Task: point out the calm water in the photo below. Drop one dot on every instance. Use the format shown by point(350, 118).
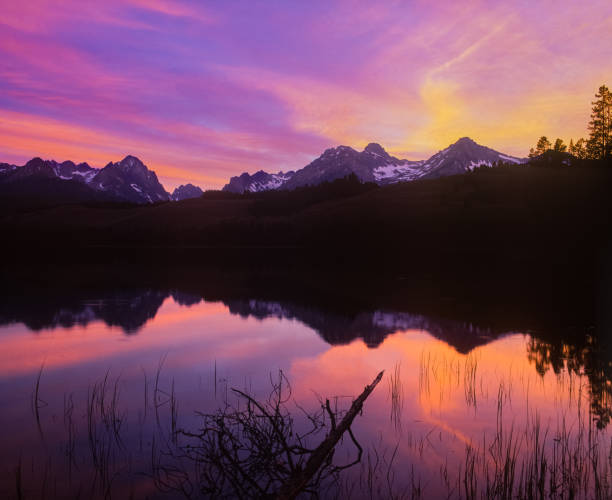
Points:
point(455, 395)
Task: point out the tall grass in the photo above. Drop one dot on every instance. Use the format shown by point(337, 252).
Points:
point(569, 457)
point(519, 452)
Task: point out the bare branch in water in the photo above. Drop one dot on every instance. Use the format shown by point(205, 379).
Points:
point(299, 480)
point(254, 450)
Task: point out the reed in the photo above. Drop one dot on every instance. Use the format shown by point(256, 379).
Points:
point(521, 455)
point(396, 395)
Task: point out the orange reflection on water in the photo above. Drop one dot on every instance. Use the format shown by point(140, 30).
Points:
point(458, 398)
point(63, 347)
point(432, 404)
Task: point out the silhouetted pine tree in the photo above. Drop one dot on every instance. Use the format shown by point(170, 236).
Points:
point(542, 146)
point(578, 149)
point(560, 146)
point(599, 145)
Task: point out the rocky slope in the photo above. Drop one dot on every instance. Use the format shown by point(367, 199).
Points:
point(130, 180)
point(185, 192)
point(374, 164)
point(259, 181)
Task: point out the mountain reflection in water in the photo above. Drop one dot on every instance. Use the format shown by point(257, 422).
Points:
point(456, 364)
point(131, 310)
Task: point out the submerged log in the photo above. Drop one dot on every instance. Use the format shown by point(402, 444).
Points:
point(300, 479)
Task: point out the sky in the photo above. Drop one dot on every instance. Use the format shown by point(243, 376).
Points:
point(201, 91)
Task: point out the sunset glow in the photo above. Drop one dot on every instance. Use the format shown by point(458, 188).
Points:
point(203, 91)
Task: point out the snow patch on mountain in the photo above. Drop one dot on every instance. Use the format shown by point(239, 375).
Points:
point(259, 181)
point(475, 164)
point(274, 182)
point(86, 175)
point(511, 159)
point(395, 173)
point(6, 167)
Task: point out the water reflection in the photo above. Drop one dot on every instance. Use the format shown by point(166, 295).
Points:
point(457, 385)
point(131, 310)
point(588, 358)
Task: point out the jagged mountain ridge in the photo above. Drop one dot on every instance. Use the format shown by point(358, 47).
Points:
point(463, 155)
point(49, 169)
point(373, 164)
point(126, 181)
point(132, 180)
point(259, 181)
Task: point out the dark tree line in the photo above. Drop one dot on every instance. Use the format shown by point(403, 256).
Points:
point(599, 144)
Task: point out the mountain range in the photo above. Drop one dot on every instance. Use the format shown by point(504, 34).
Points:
point(131, 181)
point(373, 164)
point(127, 181)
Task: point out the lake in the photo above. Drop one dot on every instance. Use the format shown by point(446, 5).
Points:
point(98, 381)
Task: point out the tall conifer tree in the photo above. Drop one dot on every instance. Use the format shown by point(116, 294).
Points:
point(599, 145)
point(578, 148)
point(542, 146)
point(560, 146)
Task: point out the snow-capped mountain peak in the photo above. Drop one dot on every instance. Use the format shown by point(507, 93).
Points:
point(374, 164)
point(462, 156)
point(128, 180)
point(132, 181)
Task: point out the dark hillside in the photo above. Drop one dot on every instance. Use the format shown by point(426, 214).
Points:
point(27, 194)
point(549, 212)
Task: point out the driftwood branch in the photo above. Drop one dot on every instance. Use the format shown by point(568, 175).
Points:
point(255, 450)
point(300, 479)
